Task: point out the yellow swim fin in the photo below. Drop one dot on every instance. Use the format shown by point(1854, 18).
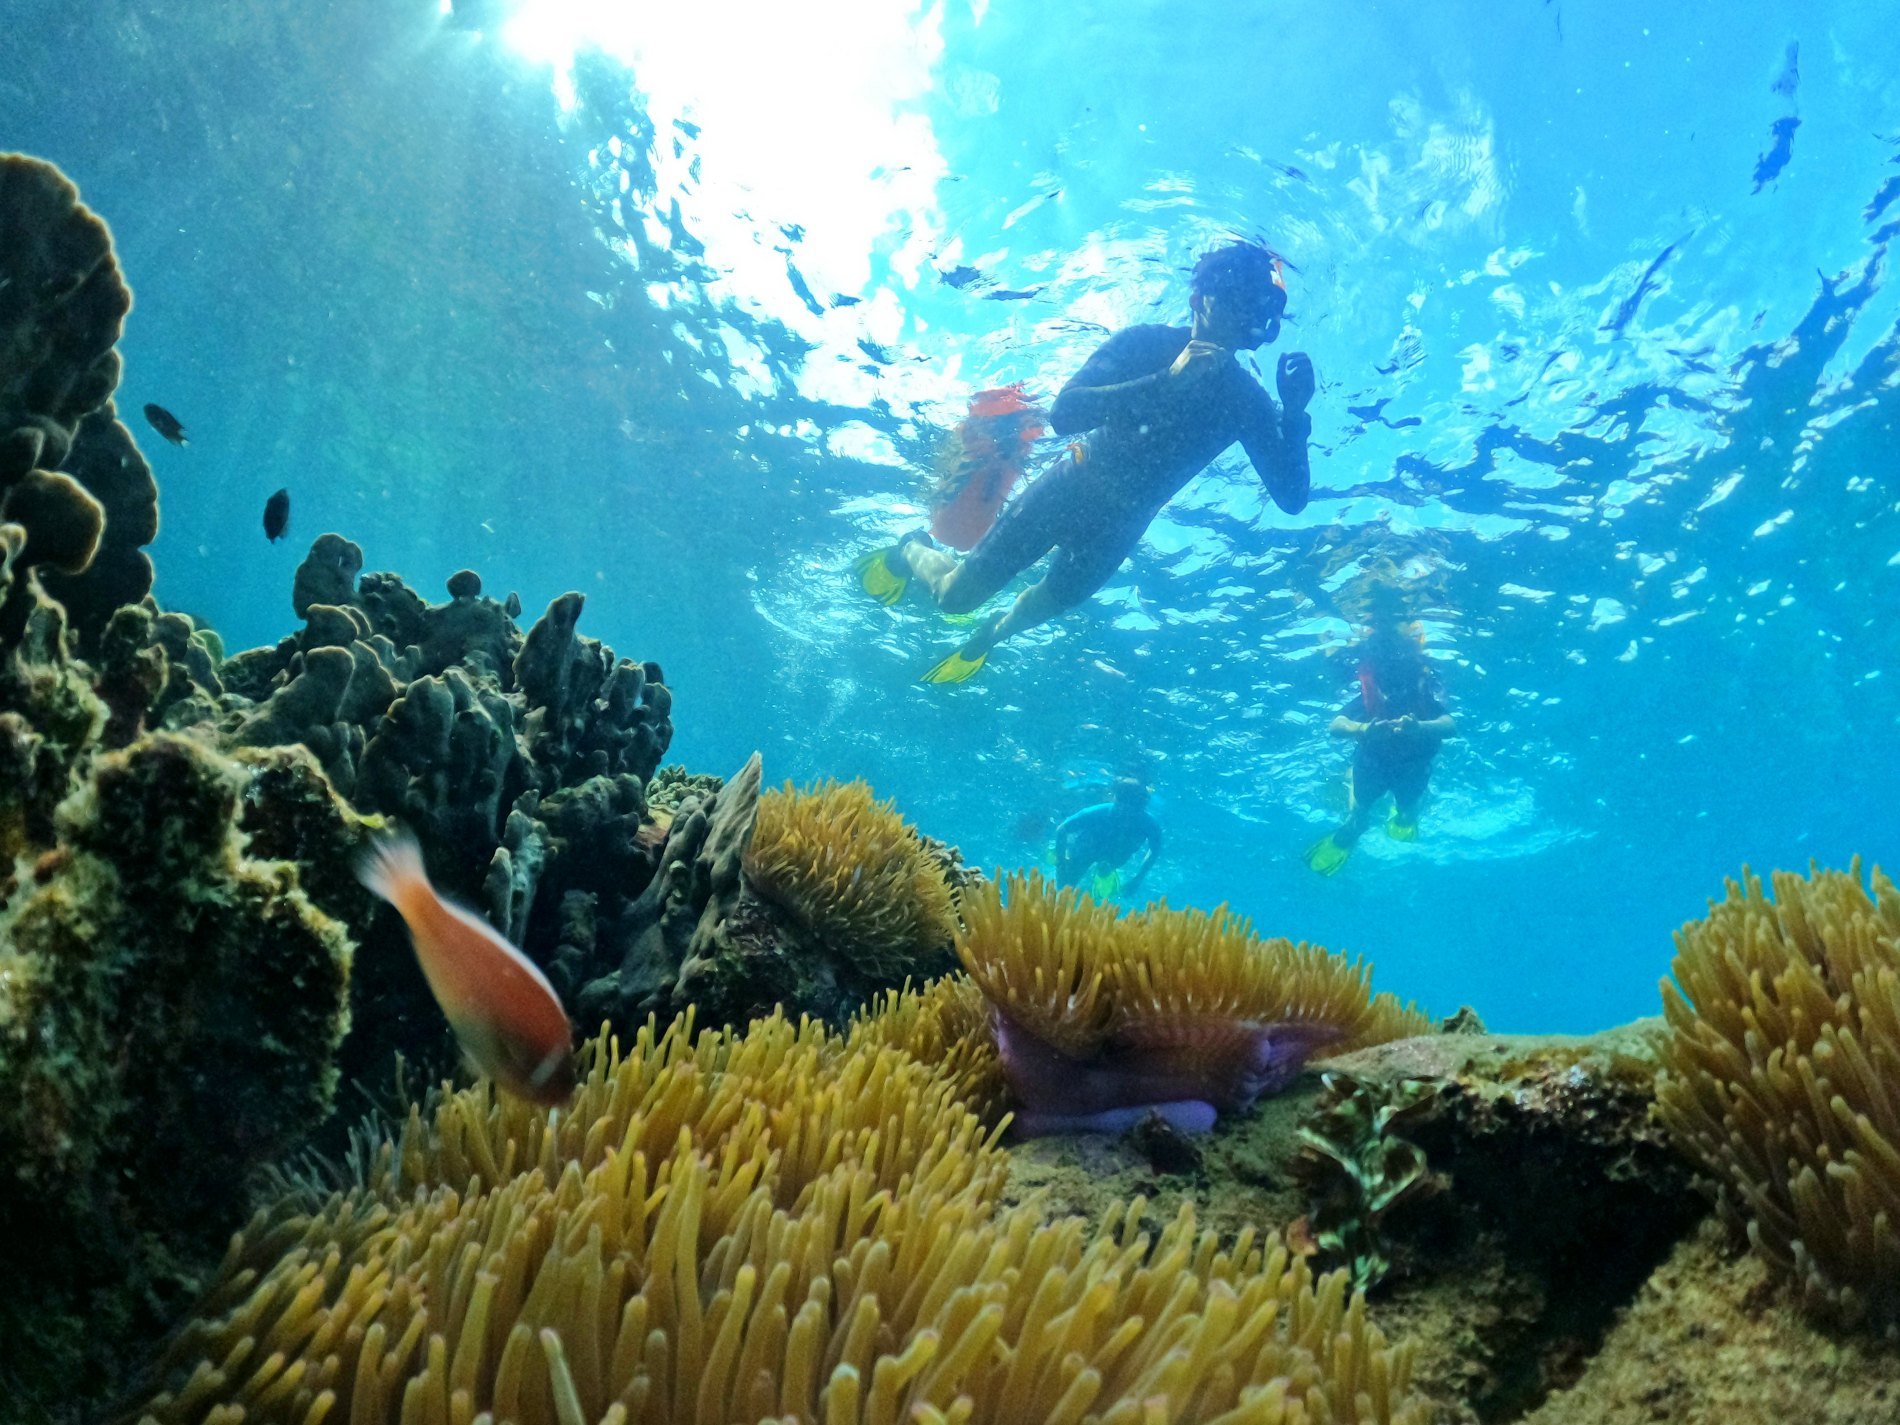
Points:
point(1326, 855)
point(1399, 829)
point(955, 669)
point(879, 578)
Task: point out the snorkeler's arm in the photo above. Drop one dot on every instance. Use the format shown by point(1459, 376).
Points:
point(1276, 444)
point(1123, 380)
point(1436, 723)
point(1066, 833)
point(1343, 726)
point(1151, 851)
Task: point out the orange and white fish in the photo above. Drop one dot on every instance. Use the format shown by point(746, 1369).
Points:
point(504, 1012)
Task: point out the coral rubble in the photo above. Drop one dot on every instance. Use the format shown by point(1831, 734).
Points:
point(1780, 1078)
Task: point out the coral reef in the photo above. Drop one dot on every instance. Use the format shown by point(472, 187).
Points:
point(520, 762)
point(684, 923)
point(1099, 1016)
point(170, 1010)
point(854, 874)
point(62, 306)
point(1779, 1075)
point(1356, 1166)
point(795, 1221)
point(106, 462)
point(762, 1226)
point(672, 785)
point(704, 933)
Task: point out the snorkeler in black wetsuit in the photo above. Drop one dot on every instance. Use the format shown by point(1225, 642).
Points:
point(1107, 834)
point(1399, 722)
point(1157, 404)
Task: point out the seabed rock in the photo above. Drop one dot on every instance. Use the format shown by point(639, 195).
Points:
point(1556, 1200)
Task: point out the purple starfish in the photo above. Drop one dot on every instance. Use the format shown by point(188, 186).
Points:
point(1187, 1068)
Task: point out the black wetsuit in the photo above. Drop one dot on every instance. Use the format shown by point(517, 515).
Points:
point(1148, 435)
point(1383, 763)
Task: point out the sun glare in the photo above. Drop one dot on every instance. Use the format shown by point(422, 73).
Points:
point(808, 118)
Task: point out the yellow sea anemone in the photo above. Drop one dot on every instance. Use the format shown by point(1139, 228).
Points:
point(1780, 1076)
point(852, 871)
point(714, 1240)
point(1098, 1014)
point(1078, 973)
point(946, 1025)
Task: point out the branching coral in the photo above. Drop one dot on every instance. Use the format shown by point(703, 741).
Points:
point(1780, 1077)
point(716, 1235)
point(855, 873)
point(1099, 1014)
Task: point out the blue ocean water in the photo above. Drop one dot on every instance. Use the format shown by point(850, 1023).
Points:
point(667, 307)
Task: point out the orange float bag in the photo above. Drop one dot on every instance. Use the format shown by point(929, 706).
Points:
point(983, 461)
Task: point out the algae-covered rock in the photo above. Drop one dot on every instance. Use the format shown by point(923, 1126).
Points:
point(170, 1011)
point(1556, 1195)
point(1711, 1340)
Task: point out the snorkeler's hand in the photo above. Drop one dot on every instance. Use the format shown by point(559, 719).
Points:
point(1197, 361)
point(1296, 381)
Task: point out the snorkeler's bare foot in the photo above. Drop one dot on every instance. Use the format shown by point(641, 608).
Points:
point(918, 542)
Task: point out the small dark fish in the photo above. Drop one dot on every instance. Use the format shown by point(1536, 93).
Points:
point(165, 423)
point(277, 516)
point(1768, 165)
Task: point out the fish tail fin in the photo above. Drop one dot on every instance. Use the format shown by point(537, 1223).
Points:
point(392, 868)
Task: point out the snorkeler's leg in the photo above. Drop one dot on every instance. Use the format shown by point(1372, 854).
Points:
point(1027, 530)
point(1408, 792)
point(885, 574)
point(1033, 606)
point(1023, 535)
point(936, 567)
point(1364, 787)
